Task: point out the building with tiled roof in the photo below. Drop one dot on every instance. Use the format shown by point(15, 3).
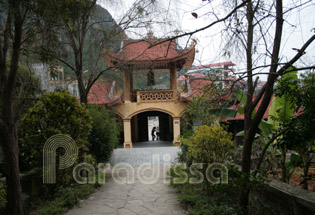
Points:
point(149, 69)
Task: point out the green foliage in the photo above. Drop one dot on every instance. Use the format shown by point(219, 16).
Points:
point(282, 108)
point(198, 203)
point(210, 144)
point(205, 109)
point(300, 136)
point(209, 199)
point(104, 136)
point(65, 198)
point(264, 126)
point(54, 208)
point(183, 154)
point(301, 132)
point(27, 84)
point(54, 113)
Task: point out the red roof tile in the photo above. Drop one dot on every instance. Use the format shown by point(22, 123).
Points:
point(99, 93)
point(197, 85)
point(241, 116)
point(146, 50)
point(140, 50)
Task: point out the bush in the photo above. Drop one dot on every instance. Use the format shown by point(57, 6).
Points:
point(183, 154)
point(54, 113)
point(208, 199)
point(210, 144)
point(104, 136)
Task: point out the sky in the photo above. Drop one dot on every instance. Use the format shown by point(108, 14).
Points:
point(298, 27)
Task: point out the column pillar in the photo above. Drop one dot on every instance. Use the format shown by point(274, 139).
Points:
point(176, 131)
point(127, 133)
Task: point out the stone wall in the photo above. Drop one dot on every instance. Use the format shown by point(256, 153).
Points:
point(282, 199)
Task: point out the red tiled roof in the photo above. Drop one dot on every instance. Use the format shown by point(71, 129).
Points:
point(196, 86)
point(99, 93)
point(241, 116)
point(229, 63)
point(140, 50)
point(146, 50)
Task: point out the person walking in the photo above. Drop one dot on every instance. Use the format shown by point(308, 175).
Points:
point(153, 133)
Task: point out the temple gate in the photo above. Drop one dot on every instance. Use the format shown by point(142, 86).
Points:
point(149, 68)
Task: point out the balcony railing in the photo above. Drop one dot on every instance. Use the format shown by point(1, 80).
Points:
point(155, 96)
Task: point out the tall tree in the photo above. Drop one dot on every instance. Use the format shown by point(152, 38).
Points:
point(87, 35)
point(254, 30)
point(11, 36)
point(73, 36)
point(17, 33)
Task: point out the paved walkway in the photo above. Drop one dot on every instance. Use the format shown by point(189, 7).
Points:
point(146, 144)
point(134, 188)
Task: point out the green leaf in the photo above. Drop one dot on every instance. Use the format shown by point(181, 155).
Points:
point(240, 109)
point(265, 127)
point(240, 134)
point(241, 97)
point(281, 107)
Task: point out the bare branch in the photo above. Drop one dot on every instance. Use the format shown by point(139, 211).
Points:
point(207, 26)
point(66, 63)
point(297, 56)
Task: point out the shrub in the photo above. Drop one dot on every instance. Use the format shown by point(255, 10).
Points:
point(104, 136)
point(183, 154)
point(210, 144)
point(54, 113)
point(203, 198)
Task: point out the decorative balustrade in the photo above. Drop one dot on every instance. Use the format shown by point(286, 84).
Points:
point(155, 96)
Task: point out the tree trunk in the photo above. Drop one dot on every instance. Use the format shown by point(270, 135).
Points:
point(246, 166)
point(9, 116)
point(9, 141)
point(248, 141)
point(82, 90)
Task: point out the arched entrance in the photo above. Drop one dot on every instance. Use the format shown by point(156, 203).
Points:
point(143, 123)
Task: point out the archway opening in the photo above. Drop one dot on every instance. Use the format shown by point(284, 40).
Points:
point(153, 128)
point(142, 125)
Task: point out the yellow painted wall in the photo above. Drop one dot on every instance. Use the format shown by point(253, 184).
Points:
point(129, 109)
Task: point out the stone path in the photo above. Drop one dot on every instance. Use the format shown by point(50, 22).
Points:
point(149, 144)
point(147, 190)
